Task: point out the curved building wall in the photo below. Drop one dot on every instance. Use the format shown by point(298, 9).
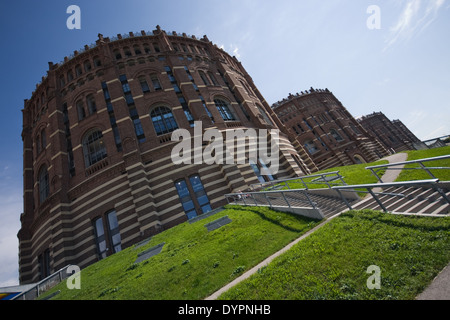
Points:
point(98, 174)
point(327, 131)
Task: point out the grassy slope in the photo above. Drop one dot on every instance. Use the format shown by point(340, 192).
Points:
point(194, 263)
point(443, 175)
point(354, 174)
point(332, 262)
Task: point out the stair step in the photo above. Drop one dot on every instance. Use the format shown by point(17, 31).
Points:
point(443, 209)
point(416, 202)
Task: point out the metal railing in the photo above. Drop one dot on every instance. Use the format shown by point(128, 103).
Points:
point(418, 183)
point(279, 183)
point(44, 285)
point(391, 166)
point(289, 198)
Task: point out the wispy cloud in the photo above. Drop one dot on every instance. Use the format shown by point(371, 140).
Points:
point(232, 50)
point(416, 16)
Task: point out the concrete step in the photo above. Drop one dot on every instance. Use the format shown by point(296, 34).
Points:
point(416, 201)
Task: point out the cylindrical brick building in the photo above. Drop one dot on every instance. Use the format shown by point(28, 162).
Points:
point(98, 175)
point(330, 135)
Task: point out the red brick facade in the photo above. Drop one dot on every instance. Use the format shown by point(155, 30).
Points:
point(98, 175)
point(394, 135)
point(327, 131)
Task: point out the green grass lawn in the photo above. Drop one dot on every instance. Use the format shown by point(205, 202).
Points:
point(332, 263)
point(352, 175)
point(194, 263)
point(443, 175)
point(329, 264)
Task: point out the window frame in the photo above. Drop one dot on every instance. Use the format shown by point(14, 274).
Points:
point(43, 184)
point(225, 110)
point(194, 199)
point(99, 148)
point(169, 122)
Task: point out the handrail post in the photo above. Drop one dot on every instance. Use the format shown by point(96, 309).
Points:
point(268, 200)
point(342, 179)
point(376, 175)
point(344, 199)
point(306, 187)
point(442, 193)
point(243, 199)
point(310, 201)
point(287, 185)
point(326, 182)
point(284, 196)
point(428, 171)
point(254, 199)
point(376, 199)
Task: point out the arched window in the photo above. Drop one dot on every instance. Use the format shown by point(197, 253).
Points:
point(264, 115)
point(336, 135)
point(69, 76)
point(311, 147)
point(117, 54)
point(213, 79)
point(43, 140)
point(163, 120)
point(93, 148)
point(358, 159)
point(62, 80)
point(204, 78)
point(137, 49)
point(44, 186)
point(91, 104)
point(224, 110)
point(355, 130)
point(87, 66)
point(97, 62)
point(147, 48)
point(80, 109)
point(78, 70)
point(127, 52)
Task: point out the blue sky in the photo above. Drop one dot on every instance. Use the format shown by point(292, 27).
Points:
point(287, 46)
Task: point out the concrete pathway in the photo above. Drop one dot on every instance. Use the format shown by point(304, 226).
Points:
point(438, 290)
point(391, 174)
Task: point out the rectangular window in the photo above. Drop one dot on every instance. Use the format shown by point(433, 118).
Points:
point(129, 98)
point(100, 238)
point(255, 168)
point(200, 194)
point(44, 264)
point(114, 233)
point(186, 200)
point(144, 86)
point(155, 82)
point(112, 118)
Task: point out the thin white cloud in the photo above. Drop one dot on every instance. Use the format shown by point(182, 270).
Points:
point(416, 16)
point(11, 201)
point(235, 51)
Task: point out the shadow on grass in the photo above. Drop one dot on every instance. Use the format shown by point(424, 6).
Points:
point(275, 221)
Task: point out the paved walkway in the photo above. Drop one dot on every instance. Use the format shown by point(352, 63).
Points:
point(438, 290)
point(391, 174)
